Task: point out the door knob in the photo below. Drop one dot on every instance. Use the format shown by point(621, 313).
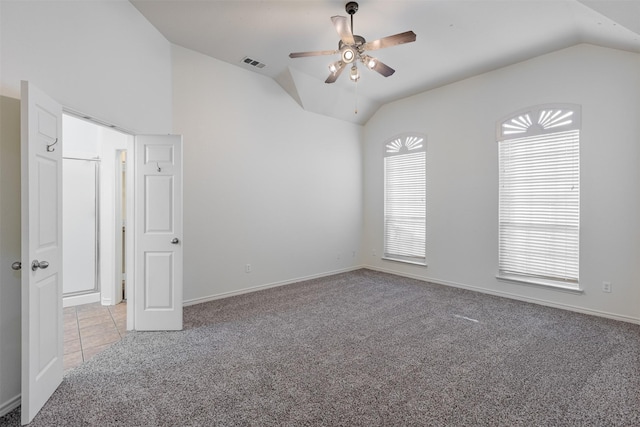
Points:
point(175, 241)
point(16, 266)
point(38, 264)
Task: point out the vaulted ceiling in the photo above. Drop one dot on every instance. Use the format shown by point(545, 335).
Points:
point(456, 39)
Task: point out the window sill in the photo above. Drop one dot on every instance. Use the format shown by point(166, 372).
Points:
point(404, 261)
point(547, 284)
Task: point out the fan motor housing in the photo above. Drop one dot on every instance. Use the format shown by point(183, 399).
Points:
point(359, 41)
point(351, 7)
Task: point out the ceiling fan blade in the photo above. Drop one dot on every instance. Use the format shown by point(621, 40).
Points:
point(313, 53)
point(383, 69)
point(344, 29)
point(334, 76)
point(406, 37)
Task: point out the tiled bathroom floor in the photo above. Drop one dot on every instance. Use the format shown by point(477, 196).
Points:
point(91, 328)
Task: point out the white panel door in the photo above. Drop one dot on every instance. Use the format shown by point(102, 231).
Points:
point(42, 328)
point(158, 230)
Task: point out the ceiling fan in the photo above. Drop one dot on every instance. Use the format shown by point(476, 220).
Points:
point(353, 47)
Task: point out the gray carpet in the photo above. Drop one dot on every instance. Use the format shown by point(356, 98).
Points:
point(361, 349)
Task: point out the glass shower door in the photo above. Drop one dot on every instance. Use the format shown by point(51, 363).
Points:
point(80, 226)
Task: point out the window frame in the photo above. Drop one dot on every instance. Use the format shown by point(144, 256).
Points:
point(405, 144)
point(540, 124)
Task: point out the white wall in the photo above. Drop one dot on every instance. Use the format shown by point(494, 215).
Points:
point(265, 183)
point(101, 58)
point(462, 169)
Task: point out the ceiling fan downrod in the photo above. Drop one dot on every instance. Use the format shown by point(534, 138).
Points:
point(351, 8)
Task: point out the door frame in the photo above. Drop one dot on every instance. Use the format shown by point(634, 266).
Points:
point(109, 194)
point(129, 238)
point(129, 220)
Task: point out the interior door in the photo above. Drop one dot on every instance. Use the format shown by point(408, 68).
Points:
point(42, 328)
point(158, 231)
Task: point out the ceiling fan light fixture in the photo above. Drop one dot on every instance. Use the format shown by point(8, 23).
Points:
point(348, 55)
point(355, 74)
point(335, 66)
point(369, 61)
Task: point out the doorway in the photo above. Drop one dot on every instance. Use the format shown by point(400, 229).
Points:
point(95, 212)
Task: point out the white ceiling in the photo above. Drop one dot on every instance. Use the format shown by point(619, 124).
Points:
point(456, 39)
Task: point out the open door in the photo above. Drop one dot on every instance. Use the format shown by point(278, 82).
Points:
point(158, 233)
point(42, 327)
point(157, 298)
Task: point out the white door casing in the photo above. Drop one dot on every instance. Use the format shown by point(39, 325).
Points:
point(158, 231)
point(42, 327)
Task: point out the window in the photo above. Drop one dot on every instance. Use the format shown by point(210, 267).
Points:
point(405, 192)
point(539, 196)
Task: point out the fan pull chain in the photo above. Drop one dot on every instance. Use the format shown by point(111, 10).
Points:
point(356, 110)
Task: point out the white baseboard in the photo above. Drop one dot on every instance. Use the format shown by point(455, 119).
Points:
point(80, 299)
point(266, 286)
point(510, 295)
point(9, 405)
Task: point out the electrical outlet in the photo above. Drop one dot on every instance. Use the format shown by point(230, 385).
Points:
point(247, 268)
point(353, 254)
point(606, 287)
point(339, 256)
point(373, 252)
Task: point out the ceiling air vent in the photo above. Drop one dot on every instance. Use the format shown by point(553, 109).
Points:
point(253, 62)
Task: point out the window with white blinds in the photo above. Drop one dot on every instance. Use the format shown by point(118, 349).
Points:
point(405, 194)
point(539, 196)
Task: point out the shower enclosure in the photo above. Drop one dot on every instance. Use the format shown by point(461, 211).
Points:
point(80, 179)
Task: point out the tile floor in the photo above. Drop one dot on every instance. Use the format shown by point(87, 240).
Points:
point(91, 328)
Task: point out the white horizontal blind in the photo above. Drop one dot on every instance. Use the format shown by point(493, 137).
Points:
point(539, 197)
point(405, 199)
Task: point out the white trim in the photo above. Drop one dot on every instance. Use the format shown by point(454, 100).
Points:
point(10, 405)
point(267, 286)
point(100, 122)
point(81, 299)
point(130, 233)
point(405, 261)
point(547, 284)
point(509, 295)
